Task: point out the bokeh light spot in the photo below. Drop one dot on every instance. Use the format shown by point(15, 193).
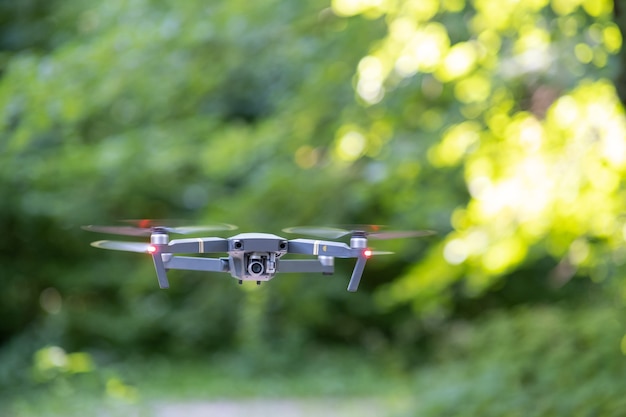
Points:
point(351, 146)
point(583, 53)
point(370, 84)
point(612, 38)
point(473, 89)
point(455, 251)
point(459, 61)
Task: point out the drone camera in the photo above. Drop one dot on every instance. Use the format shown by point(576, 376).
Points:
point(256, 265)
point(238, 244)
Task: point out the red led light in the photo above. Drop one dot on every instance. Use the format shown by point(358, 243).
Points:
point(152, 249)
point(367, 253)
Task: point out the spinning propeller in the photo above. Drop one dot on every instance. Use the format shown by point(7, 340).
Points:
point(146, 227)
point(359, 230)
point(124, 246)
point(157, 230)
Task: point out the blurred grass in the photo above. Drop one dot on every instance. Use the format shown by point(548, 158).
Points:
point(540, 361)
point(135, 385)
point(335, 374)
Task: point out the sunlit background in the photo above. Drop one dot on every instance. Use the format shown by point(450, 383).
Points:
point(498, 123)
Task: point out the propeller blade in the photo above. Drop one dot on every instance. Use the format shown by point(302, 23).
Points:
point(381, 252)
point(325, 232)
point(118, 230)
point(147, 227)
point(175, 224)
point(400, 234)
point(369, 230)
point(188, 230)
point(150, 223)
point(123, 246)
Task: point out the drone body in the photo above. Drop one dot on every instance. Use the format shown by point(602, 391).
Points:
point(249, 256)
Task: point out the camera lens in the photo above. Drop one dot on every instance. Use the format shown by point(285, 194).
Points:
point(255, 268)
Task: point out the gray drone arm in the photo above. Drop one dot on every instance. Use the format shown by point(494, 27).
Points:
point(191, 263)
point(305, 265)
point(197, 245)
point(322, 248)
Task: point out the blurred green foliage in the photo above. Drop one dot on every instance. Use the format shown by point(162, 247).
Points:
point(545, 361)
point(495, 124)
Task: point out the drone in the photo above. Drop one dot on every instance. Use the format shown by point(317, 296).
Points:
point(250, 256)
